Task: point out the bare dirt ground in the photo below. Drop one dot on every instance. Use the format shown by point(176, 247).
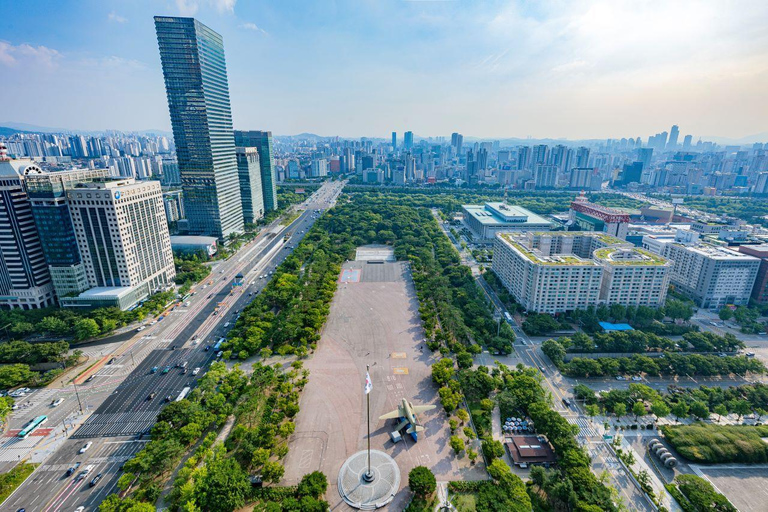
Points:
point(373, 320)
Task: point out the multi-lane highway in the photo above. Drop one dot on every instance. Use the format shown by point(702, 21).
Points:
point(120, 392)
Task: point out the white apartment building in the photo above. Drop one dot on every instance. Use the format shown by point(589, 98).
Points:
point(123, 237)
point(553, 272)
point(713, 276)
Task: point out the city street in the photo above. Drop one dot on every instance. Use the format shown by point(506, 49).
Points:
point(117, 398)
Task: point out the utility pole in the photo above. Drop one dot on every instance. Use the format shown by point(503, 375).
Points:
point(78, 397)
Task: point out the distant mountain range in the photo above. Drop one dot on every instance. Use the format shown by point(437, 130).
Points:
point(9, 127)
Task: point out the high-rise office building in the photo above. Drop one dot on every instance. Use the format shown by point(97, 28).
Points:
point(582, 157)
point(24, 279)
point(394, 141)
point(192, 56)
point(408, 140)
point(674, 133)
point(457, 141)
point(687, 142)
point(249, 170)
point(545, 176)
point(123, 237)
point(48, 196)
point(262, 141)
point(644, 156)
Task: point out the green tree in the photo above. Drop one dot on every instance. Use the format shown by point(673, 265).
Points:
point(313, 484)
point(498, 468)
point(457, 444)
point(680, 410)
point(492, 449)
point(15, 374)
point(272, 471)
point(592, 410)
point(223, 487)
point(660, 409)
point(721, 410)
point(620, 409)
point(700, 409)
point(86, 328)
point(422, 481)
point(462, 415)
point(638, 409)
point(725, 314)
point(53, 325)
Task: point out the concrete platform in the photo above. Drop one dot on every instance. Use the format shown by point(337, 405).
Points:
point(374, 321)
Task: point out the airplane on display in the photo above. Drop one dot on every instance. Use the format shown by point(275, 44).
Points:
point(406, 412)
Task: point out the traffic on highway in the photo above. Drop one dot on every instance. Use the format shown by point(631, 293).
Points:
point(160, 363)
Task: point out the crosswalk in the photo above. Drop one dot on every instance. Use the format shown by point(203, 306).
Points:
point(116, 424)
point(13, 448)
point(585, 428)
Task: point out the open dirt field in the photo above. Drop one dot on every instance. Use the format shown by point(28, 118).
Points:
point(373, 320)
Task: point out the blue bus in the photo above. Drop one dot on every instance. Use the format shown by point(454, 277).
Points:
point(32, 426)
point(217, 346)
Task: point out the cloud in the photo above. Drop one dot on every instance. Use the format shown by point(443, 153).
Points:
point(190, 7)
point(253, 27)
point(113, 16)
point(187, 7)
point(27, 55)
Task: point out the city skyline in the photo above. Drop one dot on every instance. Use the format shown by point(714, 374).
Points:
point(583, 70)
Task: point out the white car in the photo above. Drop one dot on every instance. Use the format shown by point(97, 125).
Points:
point(141, 328)
point(57, 402)
point(637, 378)
point(196, 371)
point(80, 509)
point(619, 377)
point(86, 446)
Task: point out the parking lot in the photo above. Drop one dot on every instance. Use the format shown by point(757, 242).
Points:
point(745, 486)
point(373, 320)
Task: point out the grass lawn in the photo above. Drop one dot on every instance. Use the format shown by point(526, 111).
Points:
point(11, 480)
point(464, 502)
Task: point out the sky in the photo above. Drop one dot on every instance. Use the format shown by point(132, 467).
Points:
point(572, 69)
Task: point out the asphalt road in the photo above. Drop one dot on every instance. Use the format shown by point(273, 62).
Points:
point(127, 411)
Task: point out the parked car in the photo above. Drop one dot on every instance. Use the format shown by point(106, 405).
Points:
point(196, 371)
point(86, 446)
point(619, 377)
point(637, 378)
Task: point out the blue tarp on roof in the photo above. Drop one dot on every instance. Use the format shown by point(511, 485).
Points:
point(607, 326)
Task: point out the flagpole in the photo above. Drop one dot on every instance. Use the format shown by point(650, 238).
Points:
point(368, 475)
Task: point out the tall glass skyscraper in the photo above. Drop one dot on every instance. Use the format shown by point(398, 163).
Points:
point(262, 141)
point(195, 75)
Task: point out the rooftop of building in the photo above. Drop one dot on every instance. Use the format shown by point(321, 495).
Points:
point(106, 292)
point(499, 213)
point(624, 256)
point(717, 252)
point(530, 449)
point(603, 237)
point(541, 259)
point(192, 240)
point(16, 168)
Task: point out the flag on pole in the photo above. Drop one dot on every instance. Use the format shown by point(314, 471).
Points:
point(368, 383)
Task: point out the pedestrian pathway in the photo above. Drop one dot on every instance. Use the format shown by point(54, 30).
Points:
point(586, 429)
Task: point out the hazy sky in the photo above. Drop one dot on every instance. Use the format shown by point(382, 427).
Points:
point(571, 68)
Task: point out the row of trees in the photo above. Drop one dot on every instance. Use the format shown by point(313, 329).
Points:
point(80, 325)
point(669, 363)
point(640, 342)
point(695, 494)
point(644, 318)
point(699, 403)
